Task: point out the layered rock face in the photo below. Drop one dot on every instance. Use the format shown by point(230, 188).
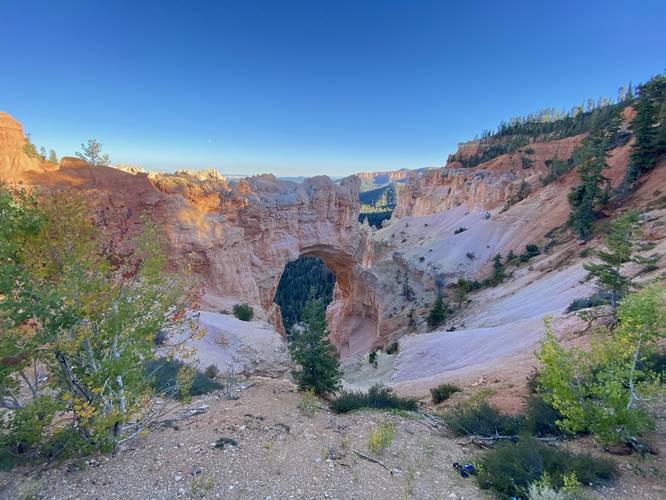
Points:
point(237, 238)
point(13, 160)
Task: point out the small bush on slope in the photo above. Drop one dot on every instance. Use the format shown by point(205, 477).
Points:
point(164, 378)
point(510, 468)
point(443, 392)
point(378, 397)
point(481, 419)
point(243, 312)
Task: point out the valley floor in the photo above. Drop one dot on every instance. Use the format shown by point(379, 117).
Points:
point(282, 454)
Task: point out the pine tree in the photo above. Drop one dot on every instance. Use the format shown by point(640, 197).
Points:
point(92, 153)
point(620, 246)
point(498, 270)
point(588, 198)
point(312, 350)
point(53, 158)
point(462, 288)
point(438, 313)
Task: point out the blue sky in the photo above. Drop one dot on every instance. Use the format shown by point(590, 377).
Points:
point(302, 88)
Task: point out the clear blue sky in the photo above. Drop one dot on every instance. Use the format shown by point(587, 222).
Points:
point(300, 88)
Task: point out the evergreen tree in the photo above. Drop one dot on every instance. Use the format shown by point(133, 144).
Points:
point(92, 153)
point(312, 350)
point(620, 246)
point(498, 270)
point(648, 127)
point(462, 288)
point(53, 158)
point(588, 198)
point(438, 313)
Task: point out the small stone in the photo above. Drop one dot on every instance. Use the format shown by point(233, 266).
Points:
point(178, 478)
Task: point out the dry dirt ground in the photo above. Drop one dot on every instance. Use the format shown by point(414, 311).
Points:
point(283, 454)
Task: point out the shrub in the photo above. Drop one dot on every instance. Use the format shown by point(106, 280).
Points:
point(211, 371)
point(541, 418)
point(244, 312)
point(598, 299)
point(470, 255)
point(481, 419)
point(378, 397)
point(531, 250)
point(600, 390)
point(510, 468)
point(392, 348)
point(164, 377)
point(381, 438)
point(443, 392)
point(460, 230)
point(372, 358)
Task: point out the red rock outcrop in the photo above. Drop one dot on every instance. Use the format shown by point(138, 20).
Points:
point(238, 238)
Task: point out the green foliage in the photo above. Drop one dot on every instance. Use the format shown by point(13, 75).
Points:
point(588, 198)
point(556, 169)
point(620, 243)
point(212, 371)
point(463, 287)
point(480, 419)
point(377, 205)
point(381, 437)
point(596, 300)
point(243, 312)
point(163, 374)
point(523, 192)
point(312, 350)
point(460, 230)
point(649, 128)
point(600, 391)
point(541, 418)
point(531, 250)
point(378, 397)
point(392, 348)
point(372, 358)
point(81, 302)
point(30, 149)
point(92, 153)
point(439, 312)
point(509, 468)
point(308, 403)
point(301, 279)
point(443, 392)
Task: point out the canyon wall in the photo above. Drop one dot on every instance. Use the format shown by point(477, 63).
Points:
point(236, 237)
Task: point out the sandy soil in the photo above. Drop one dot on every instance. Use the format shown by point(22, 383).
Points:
point(283, 454)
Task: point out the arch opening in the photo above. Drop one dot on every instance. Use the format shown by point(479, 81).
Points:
point(307, 276)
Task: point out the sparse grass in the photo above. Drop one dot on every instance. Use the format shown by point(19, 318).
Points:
point(381, 438)
point(308, 403)
point(378, 397)
point(443, 392)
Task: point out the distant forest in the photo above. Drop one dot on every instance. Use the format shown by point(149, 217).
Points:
point(377, 205)
point(302, 277)
point(550, 124)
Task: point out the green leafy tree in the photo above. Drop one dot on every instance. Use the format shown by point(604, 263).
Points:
point(80, 304)
point(604, 390)
point(620, 243)
point(438, 313)
point(92, 153)
point(313, 351)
